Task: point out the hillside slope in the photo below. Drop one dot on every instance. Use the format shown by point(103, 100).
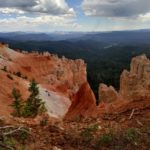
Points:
point(58, 78)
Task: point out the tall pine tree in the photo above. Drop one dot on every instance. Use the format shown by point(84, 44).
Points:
point(33, 104)
point(16, 102)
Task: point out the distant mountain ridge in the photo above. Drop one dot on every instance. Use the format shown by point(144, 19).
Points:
point(111, 36)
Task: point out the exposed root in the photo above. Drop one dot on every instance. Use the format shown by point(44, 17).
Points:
point(132, 113)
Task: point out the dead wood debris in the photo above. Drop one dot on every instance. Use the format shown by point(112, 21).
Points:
point(9, 130)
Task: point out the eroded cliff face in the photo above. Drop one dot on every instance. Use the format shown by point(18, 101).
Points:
point(59, 78)
point(83, 104)
point(134, 84)
point(107, 94)
point(59, 74)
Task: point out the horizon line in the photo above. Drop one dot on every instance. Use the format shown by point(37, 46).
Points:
point(19, 31)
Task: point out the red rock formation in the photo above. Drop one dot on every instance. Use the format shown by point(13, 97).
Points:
point(83, 104)
point(61, 75)
point(107, 94)
point(136, 83)
point(133, 85)
point(6, 86)
point(49, 70)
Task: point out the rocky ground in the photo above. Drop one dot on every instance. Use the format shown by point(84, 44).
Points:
point(128, 129)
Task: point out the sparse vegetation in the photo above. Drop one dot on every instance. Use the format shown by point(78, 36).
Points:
point(44, 136)
point(88, 132)
point(44, 121)
point(104, 139)
point(18, 74)
point(132, 136)
point(32, 106)
point(14, 73)
point(12, 137)
point(17, 102)
point(24, 134)
point(9, 141)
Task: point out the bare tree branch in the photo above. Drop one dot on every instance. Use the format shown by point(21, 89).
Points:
point(5, 127)
point(132, 113)
point(15, 130)
point(5, 146)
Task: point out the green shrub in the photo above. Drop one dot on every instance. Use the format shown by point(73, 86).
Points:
point(22, 147)
point(9, 141)
point(131, 134)
point(104, 139)
point(23, 135)
point(44, 121)
point(17, 102)
point(87, 133)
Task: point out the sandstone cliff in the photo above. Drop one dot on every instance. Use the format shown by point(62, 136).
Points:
point(58, 78)
point(107, 94)
point(134, 84)
point(83, 104)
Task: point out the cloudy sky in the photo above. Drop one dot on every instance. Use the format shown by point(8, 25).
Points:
point(74, 15)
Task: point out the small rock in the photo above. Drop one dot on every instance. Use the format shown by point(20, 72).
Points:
point(99, 127)
point(56, 148)
point(122, 120)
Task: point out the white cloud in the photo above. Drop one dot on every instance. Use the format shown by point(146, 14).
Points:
point(52, 7)
point(11, 11)
point(36, 15)
point(116, 8)
point(49, 15)
point(40, 23)
point(145, 17)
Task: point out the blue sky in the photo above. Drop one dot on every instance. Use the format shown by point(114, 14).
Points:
point(73, 15)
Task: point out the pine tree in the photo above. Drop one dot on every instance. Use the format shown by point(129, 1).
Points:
point(33, 104)
point(17, 102)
